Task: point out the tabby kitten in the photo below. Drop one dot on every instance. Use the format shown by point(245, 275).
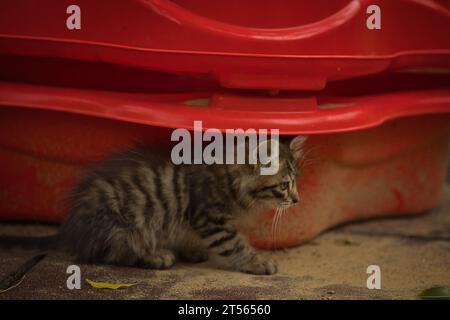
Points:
point(139, 209)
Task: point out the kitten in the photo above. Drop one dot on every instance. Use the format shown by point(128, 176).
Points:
point(139, 209)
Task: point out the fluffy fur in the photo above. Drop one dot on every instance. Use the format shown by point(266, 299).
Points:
point(139, 209)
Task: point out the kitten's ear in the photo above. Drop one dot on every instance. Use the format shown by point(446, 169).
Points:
point(270, 148)
point(297, 145)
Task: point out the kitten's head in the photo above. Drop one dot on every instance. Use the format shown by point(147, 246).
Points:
point(277, 191)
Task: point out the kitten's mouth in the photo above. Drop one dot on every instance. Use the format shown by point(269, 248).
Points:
point(286, 204)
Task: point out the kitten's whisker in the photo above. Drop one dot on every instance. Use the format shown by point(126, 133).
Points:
point(273, 228)
point(271, 232)
point(276, 227)
point(280, 224)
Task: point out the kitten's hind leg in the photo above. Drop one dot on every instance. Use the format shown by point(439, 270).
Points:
point(195, 253)
point(191, 249)
point(139, 249)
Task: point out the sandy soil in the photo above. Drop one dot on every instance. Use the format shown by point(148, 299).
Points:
point(413, 254)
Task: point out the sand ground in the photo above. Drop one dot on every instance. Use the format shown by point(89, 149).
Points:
point(413, 254)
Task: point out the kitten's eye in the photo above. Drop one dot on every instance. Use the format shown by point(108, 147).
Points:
point(284, 185)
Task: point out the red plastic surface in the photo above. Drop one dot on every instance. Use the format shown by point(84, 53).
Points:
point(347, 176)
point(71, 97)
point(289, 115)
point(242, 44)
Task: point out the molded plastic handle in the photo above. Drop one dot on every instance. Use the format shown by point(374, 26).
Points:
point(181, 15)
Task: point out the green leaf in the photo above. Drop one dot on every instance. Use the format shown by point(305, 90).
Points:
point(436, 293)
point(107, 285)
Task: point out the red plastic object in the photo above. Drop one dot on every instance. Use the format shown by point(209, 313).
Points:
point(289, 115)
point(397, 168)
point(378, 143)
point(241, 44)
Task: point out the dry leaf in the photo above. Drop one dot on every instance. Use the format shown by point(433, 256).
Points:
point(12, 286)
point(107, 285)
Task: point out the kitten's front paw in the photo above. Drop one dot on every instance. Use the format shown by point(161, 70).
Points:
point(259, 266)
point(163, 259)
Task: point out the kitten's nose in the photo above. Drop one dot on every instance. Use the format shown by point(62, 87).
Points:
point(295, 199)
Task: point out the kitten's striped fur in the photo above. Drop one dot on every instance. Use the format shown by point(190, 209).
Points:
point(138, 208)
